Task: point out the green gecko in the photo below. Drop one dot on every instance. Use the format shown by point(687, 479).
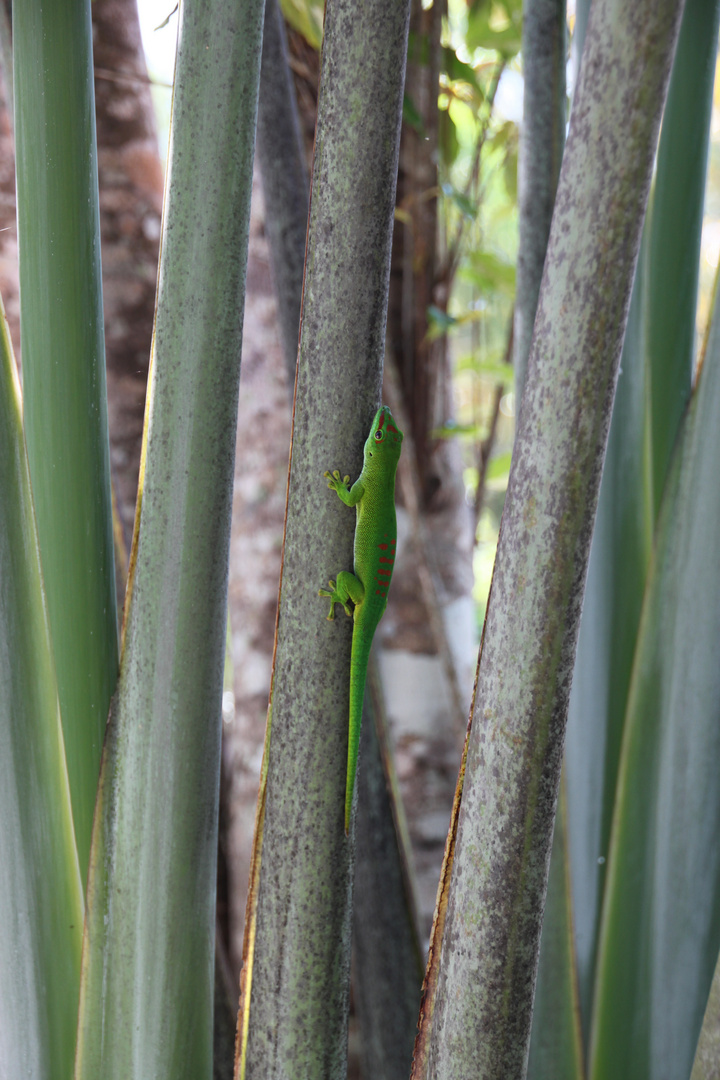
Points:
point(373, 496)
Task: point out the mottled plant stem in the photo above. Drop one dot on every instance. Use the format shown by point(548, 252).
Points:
point(479, 1014)
point(295, 981)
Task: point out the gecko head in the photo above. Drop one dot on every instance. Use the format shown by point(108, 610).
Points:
point(385, 439)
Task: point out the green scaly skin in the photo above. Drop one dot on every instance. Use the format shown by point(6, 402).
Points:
point(363, 594)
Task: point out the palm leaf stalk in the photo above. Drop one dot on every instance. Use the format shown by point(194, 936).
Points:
point(41, 898)
point(63, 355)
point(295, 983)
point(147, 982)
point(479, 998)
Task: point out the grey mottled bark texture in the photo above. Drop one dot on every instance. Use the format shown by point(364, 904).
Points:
point(293, 1020)
point(542, 139)
point(483, 1002)
point(555, 1052)
point(284, 178)
point(388, 966)
point(707, 1056)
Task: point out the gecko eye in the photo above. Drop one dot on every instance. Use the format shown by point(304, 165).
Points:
point(378, 436)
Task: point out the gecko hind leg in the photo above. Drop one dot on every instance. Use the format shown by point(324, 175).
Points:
point(347, 590)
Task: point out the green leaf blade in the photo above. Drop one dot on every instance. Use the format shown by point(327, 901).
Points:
point(41, 905)
point(556, 1041)
point(65, 404)
point(675, 226)
point(657, 353)
point(147, 990)
point(661, 924)
point(606, 644)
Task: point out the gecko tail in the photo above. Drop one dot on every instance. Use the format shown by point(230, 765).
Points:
point(358, 675)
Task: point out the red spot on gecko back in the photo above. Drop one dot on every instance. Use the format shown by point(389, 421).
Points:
point(387, 558)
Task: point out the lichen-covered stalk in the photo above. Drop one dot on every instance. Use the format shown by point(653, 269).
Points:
point(295, 984)
point(482, 1005)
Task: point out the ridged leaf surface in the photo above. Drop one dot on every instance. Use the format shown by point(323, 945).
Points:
point(63, 357)
point(661, 924)
point(41, 906)
point(147, 991)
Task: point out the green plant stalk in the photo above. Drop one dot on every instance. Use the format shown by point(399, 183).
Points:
point(295, 989)
point(6, 56)
point(41, 901)
point(623, 529)
point(479, 1022)
point(63, 354)
point(606, 645)
point(606, 641)
point(660, 931)
point(544, 48)
point(555, 1046)
point(388, 962)
point(147, 981)
point(556, 1039)
point(675, 226)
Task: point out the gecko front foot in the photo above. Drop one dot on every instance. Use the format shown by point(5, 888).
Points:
point(335, 598)
point(336, 482)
